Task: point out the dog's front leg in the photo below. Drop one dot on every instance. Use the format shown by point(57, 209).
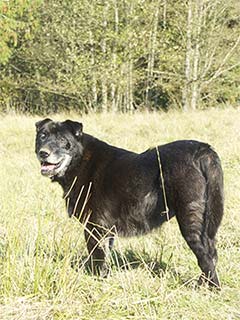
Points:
point(98, 245)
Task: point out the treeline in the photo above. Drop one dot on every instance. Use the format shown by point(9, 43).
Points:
point(118, 55)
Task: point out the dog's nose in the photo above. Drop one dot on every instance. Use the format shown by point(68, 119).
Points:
point(44, 154)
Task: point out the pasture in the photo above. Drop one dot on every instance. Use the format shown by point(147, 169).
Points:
point(42, 251)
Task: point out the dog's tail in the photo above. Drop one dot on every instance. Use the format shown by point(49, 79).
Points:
point(212, 171)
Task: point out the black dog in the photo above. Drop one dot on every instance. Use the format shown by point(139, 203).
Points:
point(114, 190)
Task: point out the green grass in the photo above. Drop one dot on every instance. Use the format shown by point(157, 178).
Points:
point(153, 277)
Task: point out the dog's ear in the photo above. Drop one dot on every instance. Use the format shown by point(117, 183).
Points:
point(75, 127)
point(40, 123)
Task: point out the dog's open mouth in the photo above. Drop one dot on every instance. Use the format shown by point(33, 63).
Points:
point(49, 169)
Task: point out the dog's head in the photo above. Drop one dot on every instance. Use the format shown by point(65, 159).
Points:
point(58, 146)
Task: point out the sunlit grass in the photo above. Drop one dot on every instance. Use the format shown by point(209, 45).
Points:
point(152, 277)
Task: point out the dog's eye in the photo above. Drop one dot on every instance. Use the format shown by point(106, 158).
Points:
point(68, 146)
point(43, 136)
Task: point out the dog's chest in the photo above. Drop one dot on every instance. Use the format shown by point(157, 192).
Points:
point(129, 216)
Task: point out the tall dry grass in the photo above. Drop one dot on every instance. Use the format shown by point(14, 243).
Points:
point(152, 277)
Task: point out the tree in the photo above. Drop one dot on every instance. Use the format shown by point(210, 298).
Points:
point(16, 20)
point(206, 57)
point(118, 55)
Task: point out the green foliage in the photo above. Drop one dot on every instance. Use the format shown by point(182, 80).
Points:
point(114, 55)
point(17, 22)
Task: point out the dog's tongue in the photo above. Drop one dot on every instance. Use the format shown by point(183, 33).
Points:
point(47, 167)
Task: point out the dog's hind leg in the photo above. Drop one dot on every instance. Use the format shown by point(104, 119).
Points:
point(192, 221)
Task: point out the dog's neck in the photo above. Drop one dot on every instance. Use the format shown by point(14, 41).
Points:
point(79, 183)
point(93, 154)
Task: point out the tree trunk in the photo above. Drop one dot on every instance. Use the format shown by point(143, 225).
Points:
point(188, 58)
point(151, 56)
point(164, 14)
point(104, 51)
point(130, 84)
point(94, 81)
point(196, 54)
point(129, 71)
point(114, 60)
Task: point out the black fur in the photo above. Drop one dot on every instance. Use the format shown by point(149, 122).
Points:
point(114, 190)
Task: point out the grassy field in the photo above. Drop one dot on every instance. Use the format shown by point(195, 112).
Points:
point(153, 277)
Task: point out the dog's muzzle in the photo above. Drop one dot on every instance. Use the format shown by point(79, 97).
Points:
point(51, 164)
